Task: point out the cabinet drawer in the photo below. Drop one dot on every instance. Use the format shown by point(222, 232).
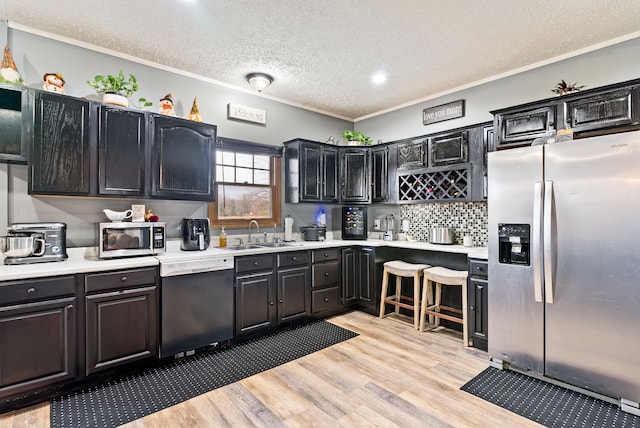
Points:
point(323, 255)
point(253, 263)
point(326, 273)
point(293, 258)
point(38, 289)
point(119, 279)
point(324, 300)
point(478, 268)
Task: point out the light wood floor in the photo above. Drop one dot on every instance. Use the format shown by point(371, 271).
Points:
point(389, 376)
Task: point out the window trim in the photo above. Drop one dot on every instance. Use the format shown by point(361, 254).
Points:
point(276, 202)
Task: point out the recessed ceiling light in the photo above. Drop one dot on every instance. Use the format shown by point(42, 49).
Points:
point(379, 78)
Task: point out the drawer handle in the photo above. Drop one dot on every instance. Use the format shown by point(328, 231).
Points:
point(326, 274)
point(31, 290)
point(326, 299)
point(123, 279)
point(326, 255)
point(256, 263)
point(478, 267)
point(294, 258)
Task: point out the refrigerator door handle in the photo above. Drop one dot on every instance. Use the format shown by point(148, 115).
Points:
point(548, 254)
point(536, 239)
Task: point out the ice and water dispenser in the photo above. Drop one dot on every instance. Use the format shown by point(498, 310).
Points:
point(514, 244)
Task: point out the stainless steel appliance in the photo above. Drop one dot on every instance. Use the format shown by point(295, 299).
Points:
point(27, 243)
point(196, 301)
point(195, 234)
point(564, 262)
point(389, 228)
point(441, 235)
point(354, 222)
point(126, 239)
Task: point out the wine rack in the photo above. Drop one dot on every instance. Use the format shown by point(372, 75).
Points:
point(447, 185)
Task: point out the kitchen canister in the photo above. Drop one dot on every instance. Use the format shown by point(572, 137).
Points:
point(288, 228)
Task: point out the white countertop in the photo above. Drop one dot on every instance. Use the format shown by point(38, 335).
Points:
point(83, 260)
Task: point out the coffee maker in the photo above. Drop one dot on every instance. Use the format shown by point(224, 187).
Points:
point(49, 243)
point(195, 234)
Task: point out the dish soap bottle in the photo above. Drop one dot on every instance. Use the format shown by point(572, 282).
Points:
point(223, 238)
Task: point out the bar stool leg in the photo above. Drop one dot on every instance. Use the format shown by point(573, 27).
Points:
point(398, 292)
point(423, 303)
point(416, 300)
point(430, 298)
point(383, 294)
point(438, 301)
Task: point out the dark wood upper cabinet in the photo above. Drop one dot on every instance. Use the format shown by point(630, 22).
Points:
point(60, 148)
point(14, 142)
point(355, 175)
point(311, 171)
point(182, 161)
point(121, 152)
point(609, 109)
point(521, 127)
point(412, 154)
point(380, 174)
point(450, 148)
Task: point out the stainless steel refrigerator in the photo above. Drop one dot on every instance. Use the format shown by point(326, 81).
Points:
point(564, 262)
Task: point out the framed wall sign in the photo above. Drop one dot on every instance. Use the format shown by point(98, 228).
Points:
point(246, 114)
point(452, 110)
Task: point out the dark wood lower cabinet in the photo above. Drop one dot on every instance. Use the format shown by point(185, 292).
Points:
point(477, 301)
point(359, 278)
point(292, 294)
point(37, 333)
point(121, 327)
point(255, 302)
point(121, 310)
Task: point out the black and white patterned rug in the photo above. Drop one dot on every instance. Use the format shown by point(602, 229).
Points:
point(545, 403)
point(120, 401)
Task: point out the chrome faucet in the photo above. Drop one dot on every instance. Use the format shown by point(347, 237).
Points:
point(257, 229)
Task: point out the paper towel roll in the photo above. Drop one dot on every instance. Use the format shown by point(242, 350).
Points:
point(288, 228)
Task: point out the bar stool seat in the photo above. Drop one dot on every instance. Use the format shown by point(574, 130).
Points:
point(402, 270)
point(443, 276)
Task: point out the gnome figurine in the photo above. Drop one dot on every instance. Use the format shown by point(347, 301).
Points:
point(8, 71)
point(166, 105)
point(53, 82)
point(195, 111)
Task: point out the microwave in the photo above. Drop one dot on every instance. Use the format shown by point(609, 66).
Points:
point(127, 239)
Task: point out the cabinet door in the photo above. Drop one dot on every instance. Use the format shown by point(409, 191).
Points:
point(450, 148)
point(121, 152)
point(38, 345)
point(606, 110)
point(477, 312)
point(293, 300)
point(349, 275)
point(121, 327)
point(379, 175)
point(13, 138)
point(412, 154)
point(183, 163)
point(255, 302)
point(60, 149)
point(354, 165)
point(329, 174)
point(310, 168)
point(522, 127)
point(366, 281)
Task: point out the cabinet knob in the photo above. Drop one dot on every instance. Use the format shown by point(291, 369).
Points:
point(280, 301)
point(326, 299)
point(256, 263)
point(326, 255)
point(271, 303)
point(473, 308)
point(326, 274)
point(31, 290)
point(123, 278)
point(294, 258)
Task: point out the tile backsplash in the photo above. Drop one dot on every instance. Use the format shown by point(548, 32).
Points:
point(465, 218)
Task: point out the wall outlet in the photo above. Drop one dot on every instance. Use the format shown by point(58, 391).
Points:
point(376, 224)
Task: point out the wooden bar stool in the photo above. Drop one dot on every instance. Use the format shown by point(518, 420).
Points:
point(443, 276)
point(402, 270)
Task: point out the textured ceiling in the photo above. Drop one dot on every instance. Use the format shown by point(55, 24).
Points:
point(322, 54)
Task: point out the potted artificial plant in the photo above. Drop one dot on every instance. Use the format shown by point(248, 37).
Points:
point(115, 89)
point(354, 138)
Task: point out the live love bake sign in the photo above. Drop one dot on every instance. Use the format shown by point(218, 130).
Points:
point(443, 112)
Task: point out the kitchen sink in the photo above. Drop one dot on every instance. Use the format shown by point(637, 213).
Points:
point(279, 244)
point(242, 247)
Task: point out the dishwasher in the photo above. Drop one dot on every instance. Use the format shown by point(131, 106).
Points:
point(196, 304)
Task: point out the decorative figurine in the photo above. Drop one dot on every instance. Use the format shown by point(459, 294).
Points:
point(8, 70)
point(53, 82)
point(166, 105)
point(150, 216)
point(195, 111)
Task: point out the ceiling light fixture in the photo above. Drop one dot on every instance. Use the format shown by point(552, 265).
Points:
point(259, 81)
point(379, 78)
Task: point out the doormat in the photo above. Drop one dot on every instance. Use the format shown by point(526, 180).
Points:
point(545, 403)
point(124, 400)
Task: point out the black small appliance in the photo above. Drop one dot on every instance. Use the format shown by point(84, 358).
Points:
point(354, 222)
point(195, 234)
point(52, 235)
